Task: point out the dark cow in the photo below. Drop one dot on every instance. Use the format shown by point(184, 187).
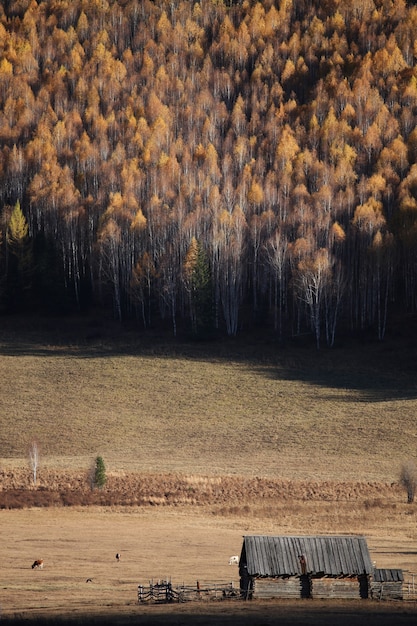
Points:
point(38, 564)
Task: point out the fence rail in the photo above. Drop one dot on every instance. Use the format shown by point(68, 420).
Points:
point(410, 587)
point(163, 591)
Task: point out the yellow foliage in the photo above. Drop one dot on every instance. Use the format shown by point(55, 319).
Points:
point(256, 194)
point(225, 219)
point(18, 228)
point(300, 248)
point(110, 232)
point(377, 240)
point(191, 258)
point(368, 216)
point(163, 159)
point(139, 221)
point(338, 232)
point(116, 202)
point(288, 71)
point(199, 152)
point(6, 68)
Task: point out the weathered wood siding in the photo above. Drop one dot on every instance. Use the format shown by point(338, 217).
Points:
point(305, 567)
point(387, 591)
point(340, 588)
point(264, 588)
point(387, 584)
point(303, 587)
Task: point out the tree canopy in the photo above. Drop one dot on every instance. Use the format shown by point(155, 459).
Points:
point(262, 151)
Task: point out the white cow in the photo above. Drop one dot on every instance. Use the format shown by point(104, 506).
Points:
point(234, 560)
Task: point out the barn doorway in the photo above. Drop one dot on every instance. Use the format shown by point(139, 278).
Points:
point(305, 586)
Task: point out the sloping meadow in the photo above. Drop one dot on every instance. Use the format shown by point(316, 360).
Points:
point(231, 409)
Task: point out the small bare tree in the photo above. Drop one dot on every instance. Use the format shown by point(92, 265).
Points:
point(408, 479)
point(34, 459)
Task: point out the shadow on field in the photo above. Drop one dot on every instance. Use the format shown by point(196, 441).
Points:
point(375, 370)
point(305, 614)
point(364, 385)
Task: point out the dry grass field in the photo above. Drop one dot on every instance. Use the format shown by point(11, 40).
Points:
point(202, 445)
point(185, 544)
point(223, 408)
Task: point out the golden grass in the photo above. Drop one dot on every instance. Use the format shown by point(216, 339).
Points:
point(186, 545)
point(219, 409)
point(265, 440)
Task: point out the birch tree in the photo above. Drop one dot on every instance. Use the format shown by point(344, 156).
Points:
point(313, 275)
point(277, 256)
point(232, 247)
point(34, 460)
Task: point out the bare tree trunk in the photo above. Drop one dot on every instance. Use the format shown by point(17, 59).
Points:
point(34, 460)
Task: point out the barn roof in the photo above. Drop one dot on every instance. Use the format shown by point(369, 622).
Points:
point(388, 575)
point(327, 555)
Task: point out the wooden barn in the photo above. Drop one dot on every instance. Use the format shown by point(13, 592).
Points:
point(387, 584)
point(305, 567)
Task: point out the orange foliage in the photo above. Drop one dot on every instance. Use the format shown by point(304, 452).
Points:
point(174, 121)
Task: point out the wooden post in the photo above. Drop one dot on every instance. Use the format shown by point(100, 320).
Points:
point(381, 591)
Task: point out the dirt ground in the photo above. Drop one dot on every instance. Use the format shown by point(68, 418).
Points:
point(185, 545)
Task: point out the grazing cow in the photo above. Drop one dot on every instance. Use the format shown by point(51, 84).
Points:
point(118, 556)
point(38, 564)
point(234, 560)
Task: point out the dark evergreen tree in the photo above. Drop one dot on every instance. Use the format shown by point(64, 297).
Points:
point(202, 295)
point(100, 478)
point(199, 285)
point(50, 292)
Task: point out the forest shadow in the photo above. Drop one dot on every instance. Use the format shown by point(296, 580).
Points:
point(373, 371)
point(359, 385)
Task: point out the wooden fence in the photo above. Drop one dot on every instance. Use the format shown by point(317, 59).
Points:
point(410, 586)
point(164, 591)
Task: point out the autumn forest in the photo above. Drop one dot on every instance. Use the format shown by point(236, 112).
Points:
point(210, 166)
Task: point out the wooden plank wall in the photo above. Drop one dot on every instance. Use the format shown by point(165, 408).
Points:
point(387, 590)
point(341, 588)
point(277, 587)
point(321, 588)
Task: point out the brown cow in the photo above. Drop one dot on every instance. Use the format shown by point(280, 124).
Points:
point(38, 564)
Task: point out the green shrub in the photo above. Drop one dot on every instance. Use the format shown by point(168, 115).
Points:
point(100, 477)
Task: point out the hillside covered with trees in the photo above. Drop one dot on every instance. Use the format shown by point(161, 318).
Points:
point(210, 164)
